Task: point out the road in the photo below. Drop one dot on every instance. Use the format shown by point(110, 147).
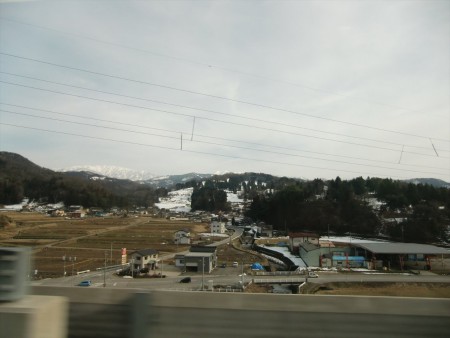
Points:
point(229, 278)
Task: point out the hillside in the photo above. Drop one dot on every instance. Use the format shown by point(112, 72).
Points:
point(21, 178)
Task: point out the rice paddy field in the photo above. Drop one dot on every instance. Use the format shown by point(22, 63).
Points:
point(70, 245)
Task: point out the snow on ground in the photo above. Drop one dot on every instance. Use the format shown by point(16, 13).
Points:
point(208, 234)
point(179, 200)
point(13, 207)
point(16, 207)
point(348, 239)
point(233, 198)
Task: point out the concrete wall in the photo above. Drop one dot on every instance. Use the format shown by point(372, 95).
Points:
point(34, 317)
point(98, 312)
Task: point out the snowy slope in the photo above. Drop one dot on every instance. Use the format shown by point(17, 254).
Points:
point(113, 172)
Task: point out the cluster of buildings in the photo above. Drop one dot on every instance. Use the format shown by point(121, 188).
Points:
point(198, 259)
point(348, 252)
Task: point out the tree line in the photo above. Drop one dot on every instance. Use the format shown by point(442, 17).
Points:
point(20, 178)
point(341, 207)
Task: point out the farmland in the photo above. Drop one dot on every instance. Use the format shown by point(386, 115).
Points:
point(88, 243)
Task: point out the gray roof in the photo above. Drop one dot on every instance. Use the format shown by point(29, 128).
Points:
point(145, 252)
point(403, 248)
point(199, 254)
point(309, 246)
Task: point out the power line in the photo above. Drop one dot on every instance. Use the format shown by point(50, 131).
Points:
point(221, 144)
point(91, 118)
point(205, 136)
point(200, 152)
point(209, 65)
point(219, 113)
point(88, 124)
point(215, 120)
point(218, 97)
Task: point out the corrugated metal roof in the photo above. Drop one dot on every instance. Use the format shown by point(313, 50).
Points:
point(403, 248)
point(198, 254)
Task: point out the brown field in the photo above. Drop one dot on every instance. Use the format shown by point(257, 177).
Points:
point(86, 243)
point(232, 253)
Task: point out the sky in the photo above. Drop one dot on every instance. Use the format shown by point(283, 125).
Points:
point(308, 89)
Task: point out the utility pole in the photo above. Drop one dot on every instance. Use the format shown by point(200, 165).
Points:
point(203, 272)
point(104, 273)
point(64, 264)
point(110, 259)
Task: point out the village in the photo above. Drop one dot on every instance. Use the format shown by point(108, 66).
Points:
point(170, 239)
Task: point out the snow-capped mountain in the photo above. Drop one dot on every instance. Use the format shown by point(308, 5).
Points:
point(113, 172)
point(144, 177)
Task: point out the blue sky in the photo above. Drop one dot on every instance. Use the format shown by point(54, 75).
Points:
point(291, 88)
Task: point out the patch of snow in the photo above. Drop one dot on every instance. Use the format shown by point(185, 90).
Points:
point(16, 207)
point(349, 239)
point(208, 234)
point(233, 198)
point(178, 200)
point(113, 171)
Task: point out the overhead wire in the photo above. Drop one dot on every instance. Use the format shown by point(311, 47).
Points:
point(216, 120)
point(219, 97)
point(208, 136)
point(203, 152)
point(219, 113)
point(208, 65)
point(219, 144)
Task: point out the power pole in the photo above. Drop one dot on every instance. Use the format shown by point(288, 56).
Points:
point(104, 273)
point(203, 272)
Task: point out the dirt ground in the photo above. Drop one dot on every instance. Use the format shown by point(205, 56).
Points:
point(71, 245)
point(232, 253)
point(68, 246)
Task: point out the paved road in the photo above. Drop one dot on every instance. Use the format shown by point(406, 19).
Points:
point(220, 277)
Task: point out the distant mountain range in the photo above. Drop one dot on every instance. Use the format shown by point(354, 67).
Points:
point(100, 172)
point(15, 168)
point(430, 181)
point(113, 172)
point(171, 180)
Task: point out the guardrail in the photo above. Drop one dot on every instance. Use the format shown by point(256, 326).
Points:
point(278, 280)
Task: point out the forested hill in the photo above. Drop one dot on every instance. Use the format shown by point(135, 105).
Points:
point(405, 211)
point(21, 178)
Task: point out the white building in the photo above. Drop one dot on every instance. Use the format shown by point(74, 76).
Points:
point(182, 237)
point(147, 258)
point(218, 227)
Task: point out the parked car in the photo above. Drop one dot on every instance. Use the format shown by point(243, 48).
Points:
point(85, 283)
point(224, 265)
point(235, 264)
point(312, 274)
point(186, 280)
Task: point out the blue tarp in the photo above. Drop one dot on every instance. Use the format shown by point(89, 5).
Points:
point(349, 258)
point(257, 266)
